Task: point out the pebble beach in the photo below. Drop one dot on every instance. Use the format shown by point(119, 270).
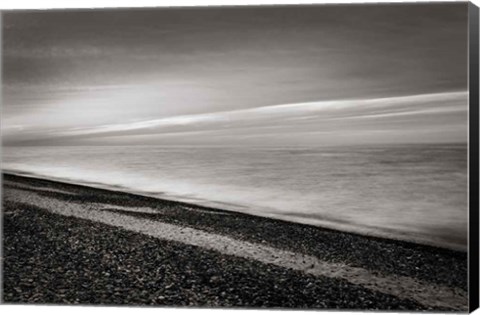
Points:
point(72, 244)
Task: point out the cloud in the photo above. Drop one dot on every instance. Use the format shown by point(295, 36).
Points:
point(289, 115)
point(437, 117)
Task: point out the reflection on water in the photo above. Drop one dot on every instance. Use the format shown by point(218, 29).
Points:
point(415, 192)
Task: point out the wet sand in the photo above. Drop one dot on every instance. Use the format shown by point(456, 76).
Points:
point(66, 243)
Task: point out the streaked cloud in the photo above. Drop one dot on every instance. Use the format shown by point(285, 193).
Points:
point(91, 77)
point(430, 104)
point(333, 118)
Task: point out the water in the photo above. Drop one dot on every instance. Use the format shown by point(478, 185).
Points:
point(410, 192)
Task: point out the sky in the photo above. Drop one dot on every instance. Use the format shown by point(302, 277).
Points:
point(305, 75)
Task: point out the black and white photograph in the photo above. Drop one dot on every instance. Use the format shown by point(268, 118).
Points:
point(261, 156)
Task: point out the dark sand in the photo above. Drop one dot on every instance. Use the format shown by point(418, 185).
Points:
point(49, 258)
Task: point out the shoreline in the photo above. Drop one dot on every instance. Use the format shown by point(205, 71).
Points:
point(382, 234)
point(354, 258)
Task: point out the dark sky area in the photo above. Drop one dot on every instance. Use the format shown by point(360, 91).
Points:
point(313, 75)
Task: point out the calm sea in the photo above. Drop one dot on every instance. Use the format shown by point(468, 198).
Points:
point(410, 192)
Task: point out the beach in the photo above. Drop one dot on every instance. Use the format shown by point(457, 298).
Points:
point(66, 243)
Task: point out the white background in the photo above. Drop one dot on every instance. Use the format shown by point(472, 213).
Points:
point(45, 4)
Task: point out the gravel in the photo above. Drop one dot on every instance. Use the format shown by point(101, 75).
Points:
point(427, 263)
point(52, 259)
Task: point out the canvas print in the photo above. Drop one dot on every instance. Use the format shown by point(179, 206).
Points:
point(311, 156)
